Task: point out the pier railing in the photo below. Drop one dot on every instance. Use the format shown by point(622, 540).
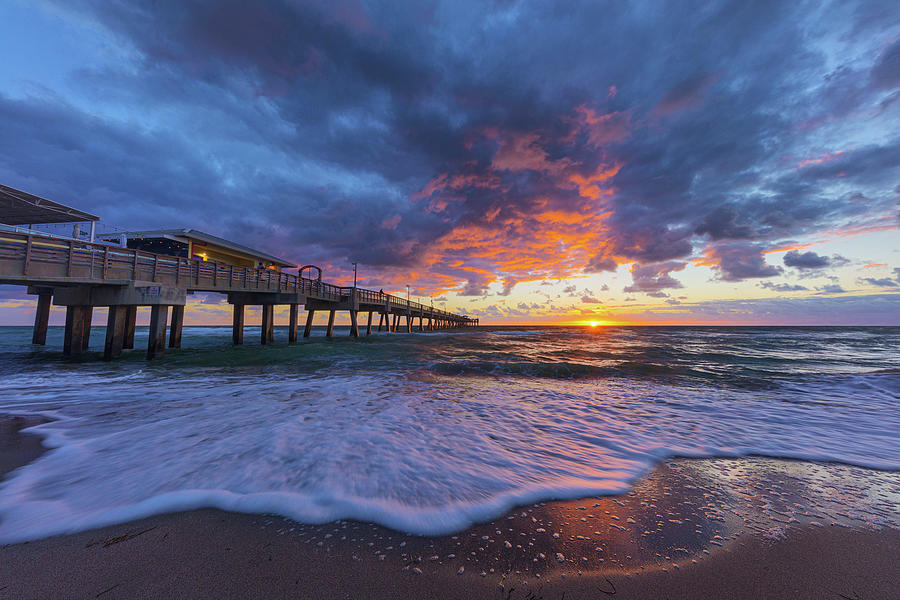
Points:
point(36, 258)
point(393, 302)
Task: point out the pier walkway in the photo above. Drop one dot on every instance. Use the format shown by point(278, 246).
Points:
point(82, 275)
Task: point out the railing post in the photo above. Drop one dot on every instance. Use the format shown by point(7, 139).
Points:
point(155, 265)
point(134, 268)
point(71, 258)
point(105, 261)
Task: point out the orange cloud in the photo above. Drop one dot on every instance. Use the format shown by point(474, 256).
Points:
point(552, 233)
point(589, 186)
point(790, 248)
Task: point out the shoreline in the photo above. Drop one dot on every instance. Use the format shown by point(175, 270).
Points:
point(17, 447)
point(720, 528)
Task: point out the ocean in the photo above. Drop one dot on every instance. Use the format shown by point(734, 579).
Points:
point(428, 433)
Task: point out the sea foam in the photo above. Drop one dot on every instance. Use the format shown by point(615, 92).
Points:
point(381, 435)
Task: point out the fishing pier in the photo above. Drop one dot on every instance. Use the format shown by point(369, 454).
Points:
point(84, 275)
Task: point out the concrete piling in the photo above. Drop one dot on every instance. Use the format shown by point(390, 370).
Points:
point(156, 343)
point(88, 315)
point(237, 325)
point(176, 326)
point(73, 342)
point(292, 325)
point(41, 320)
point(330, 330)
point(267, 331)
point(309, 321)
point(354, 326)
point(130, 323)
point(115, 332)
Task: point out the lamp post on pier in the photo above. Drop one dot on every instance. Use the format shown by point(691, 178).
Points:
point(354, 309)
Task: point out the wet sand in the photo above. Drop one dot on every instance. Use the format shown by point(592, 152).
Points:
point(712, 528)
point(18, 448)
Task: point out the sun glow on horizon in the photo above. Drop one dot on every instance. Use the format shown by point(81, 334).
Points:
point(596, 323)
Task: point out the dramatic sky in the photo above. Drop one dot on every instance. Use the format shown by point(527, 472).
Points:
point(656, 162)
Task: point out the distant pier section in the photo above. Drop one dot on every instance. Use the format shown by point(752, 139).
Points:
point(159, 268)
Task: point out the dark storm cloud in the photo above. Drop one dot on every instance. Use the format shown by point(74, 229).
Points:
point(654, 278)
point(879, 282)
point(721, 223)
point(805, 260)
point(739, 261)
point(831, 288)
point(413, 136)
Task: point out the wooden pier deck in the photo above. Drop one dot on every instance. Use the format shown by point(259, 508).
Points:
point(82, 276)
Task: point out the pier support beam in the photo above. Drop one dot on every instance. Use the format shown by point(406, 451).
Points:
point(267, 331)
point(369, 324)
point(396, 323)
point(73, 342)
point(330, 329)
point(175, 327)
point(115, 332)
point(408, 323)
point(380, 320)
point(292, 325)
point(156, 343)
point(130, 322)
point(41, 320)
point(309, 319)
point(237, 325)
point(86, 326)
point(354, 325)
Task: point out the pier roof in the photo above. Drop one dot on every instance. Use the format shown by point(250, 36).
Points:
point(21, 208)
point(183, 235)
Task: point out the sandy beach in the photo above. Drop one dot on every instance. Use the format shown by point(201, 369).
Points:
point(712, 528)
